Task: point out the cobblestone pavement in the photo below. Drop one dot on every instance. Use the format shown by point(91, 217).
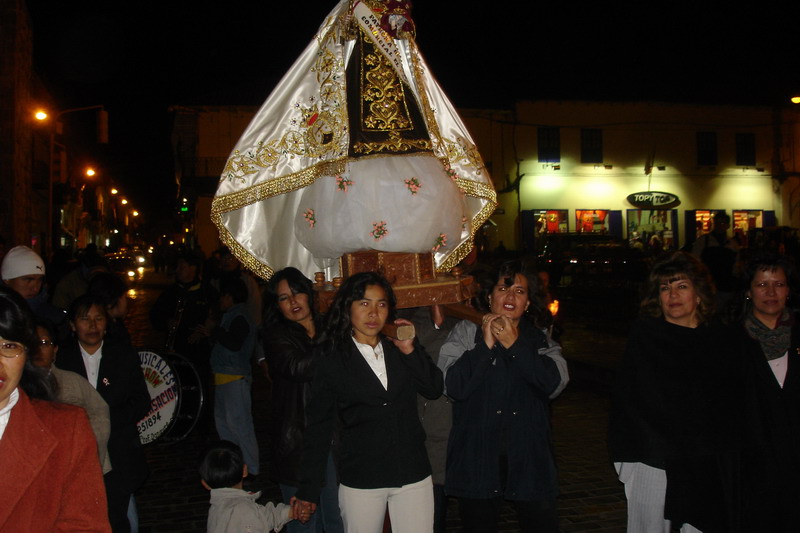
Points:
point(591, 499)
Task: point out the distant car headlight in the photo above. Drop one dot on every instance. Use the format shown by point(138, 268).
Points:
point(140, 259)
point(131, 273)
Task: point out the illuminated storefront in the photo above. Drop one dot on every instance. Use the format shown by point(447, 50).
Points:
point(585, 160)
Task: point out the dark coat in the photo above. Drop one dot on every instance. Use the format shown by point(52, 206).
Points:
point(191, 304)
point(51, 476)
point(501, 408)
point(120, 382)
point(290, 357)
point(381, 441)
point(772, 462)
point(436, 415)
point(677, 405)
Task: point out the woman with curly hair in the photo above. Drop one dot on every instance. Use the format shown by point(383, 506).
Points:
point(366, 387)
point(501, 377)
point(677, 396)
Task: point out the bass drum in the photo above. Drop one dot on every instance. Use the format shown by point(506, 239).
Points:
point(176, 397)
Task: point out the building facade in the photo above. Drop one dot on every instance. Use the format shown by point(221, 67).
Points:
point(646, 172)
point(643, 172)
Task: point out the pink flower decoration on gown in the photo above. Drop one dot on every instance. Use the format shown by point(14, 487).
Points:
point(309, 216)
point(379, 230)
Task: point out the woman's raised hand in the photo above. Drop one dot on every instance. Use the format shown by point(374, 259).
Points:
point(505, 331)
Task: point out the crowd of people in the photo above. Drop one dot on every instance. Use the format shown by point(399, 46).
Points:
point(368, 430)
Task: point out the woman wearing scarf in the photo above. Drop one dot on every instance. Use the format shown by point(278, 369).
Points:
point(771, 339)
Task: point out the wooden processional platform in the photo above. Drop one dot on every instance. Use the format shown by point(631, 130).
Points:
point(413, 277)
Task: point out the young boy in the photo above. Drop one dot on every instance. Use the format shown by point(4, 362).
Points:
point(233, 510)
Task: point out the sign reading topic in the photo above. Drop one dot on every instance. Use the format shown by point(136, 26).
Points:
point(654, 200)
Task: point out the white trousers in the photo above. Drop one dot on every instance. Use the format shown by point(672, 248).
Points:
point(410, 508)
point(646, 491)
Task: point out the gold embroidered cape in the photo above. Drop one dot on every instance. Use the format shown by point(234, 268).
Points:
point(356, 148)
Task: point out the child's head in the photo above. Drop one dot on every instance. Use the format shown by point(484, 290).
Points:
point(222, 466)
point(232, 291)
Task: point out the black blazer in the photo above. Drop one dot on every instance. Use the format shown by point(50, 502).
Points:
point(120, 382)
point(381, 440)
point(772, 460)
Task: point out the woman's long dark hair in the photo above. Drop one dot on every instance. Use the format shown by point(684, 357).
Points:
point(17, 324)
point(298, 284)
point(338, 329)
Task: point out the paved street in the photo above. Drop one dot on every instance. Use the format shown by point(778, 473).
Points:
point(591, 498)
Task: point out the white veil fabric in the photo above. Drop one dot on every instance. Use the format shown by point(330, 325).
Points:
point(357, 148)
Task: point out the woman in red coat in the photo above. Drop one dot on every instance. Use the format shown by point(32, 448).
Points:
point(48, 456)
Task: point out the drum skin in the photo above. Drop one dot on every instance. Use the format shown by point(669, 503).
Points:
point(176, 397)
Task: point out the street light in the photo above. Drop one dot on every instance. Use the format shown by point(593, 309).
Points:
point(795, 99)
point(90, 172)
point(114, 190)
point(102, 137)
point(124, 201)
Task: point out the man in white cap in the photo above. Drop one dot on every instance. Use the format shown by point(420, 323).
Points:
point(23, 271)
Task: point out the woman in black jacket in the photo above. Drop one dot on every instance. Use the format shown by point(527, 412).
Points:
point(366, 386)
point(767, 328)
point(501, 382)
point(674, 408)
point(290, 332)
point(116, 372)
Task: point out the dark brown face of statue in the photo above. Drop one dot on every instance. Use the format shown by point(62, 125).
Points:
point(396, 19)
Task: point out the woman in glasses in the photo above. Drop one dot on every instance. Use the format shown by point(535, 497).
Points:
point(73, 389)
point(51, 476)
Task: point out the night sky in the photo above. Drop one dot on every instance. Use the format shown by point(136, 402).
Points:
point(140, 58)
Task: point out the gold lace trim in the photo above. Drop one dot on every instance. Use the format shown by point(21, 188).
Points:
point(276, 186)
point(396, 143)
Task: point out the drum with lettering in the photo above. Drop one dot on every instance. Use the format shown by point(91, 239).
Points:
point(176, 397)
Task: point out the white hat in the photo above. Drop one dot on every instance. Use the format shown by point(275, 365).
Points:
point(21, 261)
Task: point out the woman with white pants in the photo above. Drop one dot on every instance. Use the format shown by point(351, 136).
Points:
point(365, 388)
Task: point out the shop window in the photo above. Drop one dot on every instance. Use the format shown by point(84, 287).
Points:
point(652, 230)
point(706, 148)
point(704, 221)
point(745, 149)
point(744, 222)
point(551, 221)
point(549, 142)
point(591, 145)
point(591, 220)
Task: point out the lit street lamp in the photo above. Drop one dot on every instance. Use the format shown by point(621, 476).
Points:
point(102, 137)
